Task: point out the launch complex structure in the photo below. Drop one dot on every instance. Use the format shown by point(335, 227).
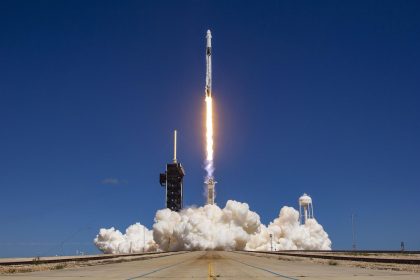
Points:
point(172, 178)
point(173, 181)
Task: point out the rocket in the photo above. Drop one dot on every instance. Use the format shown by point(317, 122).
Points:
point(210, 182)
point(208, 64)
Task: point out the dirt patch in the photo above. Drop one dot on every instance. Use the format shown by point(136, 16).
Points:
point(36, 267)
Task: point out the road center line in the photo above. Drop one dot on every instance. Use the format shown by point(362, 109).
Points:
point(209, 273)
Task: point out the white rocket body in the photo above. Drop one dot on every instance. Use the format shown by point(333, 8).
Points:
point(208, 64)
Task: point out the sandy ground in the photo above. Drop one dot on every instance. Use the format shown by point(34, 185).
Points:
point(213, 265)
point(369, 265)
point(10, 269)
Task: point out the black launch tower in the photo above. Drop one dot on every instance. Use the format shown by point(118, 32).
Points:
point(173, 180)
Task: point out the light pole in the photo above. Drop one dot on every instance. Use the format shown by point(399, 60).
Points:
point(144, 239)
point(271, 241)
point(353, 232)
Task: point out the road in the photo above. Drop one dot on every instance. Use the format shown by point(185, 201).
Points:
point(214, 265)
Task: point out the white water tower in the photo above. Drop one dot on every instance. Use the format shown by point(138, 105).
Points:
point(306, 209)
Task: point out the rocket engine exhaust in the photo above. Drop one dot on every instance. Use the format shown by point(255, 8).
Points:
point(209, 165)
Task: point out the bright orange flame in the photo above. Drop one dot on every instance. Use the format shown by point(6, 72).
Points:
point(209, 128)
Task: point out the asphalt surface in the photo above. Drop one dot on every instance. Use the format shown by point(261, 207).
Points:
point(214, 265)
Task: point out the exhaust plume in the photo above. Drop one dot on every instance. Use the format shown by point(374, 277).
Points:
point(209, 137)
point(235, 227)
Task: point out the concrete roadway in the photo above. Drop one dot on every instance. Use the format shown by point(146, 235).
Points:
point(214, 265)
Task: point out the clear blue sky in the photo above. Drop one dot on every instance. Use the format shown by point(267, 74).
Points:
point(319, 97)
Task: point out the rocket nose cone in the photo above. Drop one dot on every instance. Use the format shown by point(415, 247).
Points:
point(208, 34)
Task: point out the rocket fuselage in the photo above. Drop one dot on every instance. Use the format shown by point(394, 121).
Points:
point(208, 64)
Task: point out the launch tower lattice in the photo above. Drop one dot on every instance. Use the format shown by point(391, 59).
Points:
point(173, 180)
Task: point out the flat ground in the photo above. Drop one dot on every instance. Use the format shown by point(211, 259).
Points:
point(215, 265)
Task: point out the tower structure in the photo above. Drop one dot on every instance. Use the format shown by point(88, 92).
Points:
point(306, 209)
point(173, 180)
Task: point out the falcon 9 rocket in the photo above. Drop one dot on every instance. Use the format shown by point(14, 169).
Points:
point(209, 181)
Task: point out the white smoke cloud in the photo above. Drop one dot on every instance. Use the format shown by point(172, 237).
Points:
point(288, 234)
point(206, 228)
point(235, 227)
point(137, 239)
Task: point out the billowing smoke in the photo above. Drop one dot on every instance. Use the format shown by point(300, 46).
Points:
point(235, 227)
point(288, 234)
point(137, 239)
point(206, 228)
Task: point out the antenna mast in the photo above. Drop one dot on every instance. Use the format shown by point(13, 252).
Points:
point(175, 146)
point(353, 232)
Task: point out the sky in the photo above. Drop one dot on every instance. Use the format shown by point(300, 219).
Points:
point(320, 97)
